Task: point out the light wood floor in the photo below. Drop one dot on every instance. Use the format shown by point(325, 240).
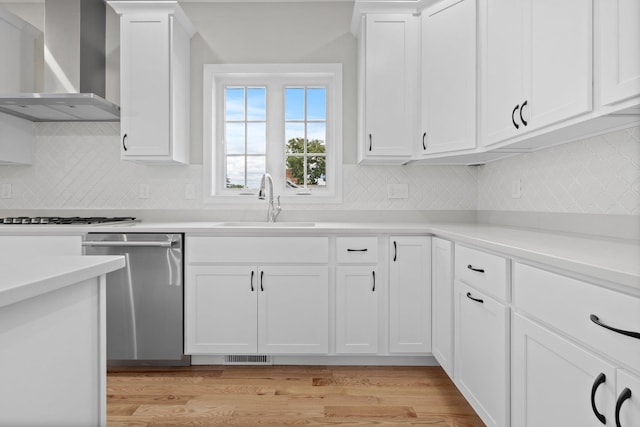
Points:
point(285, 396)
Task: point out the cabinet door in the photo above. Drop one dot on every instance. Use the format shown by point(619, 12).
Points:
point(537, 64)
point(293, 310)
point(627, 405)
point(390, 73)
point(448, 77)
point(553, 380)
point(145, 85)
point(481, 363)
point(557, 62)
point(442, 303)
point(502, 69)
point(221, 310)
point(619, 49)
point(356, 310)
point(410, 294)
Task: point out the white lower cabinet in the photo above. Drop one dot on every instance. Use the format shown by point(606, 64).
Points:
point(442, 303)
point(410, 294)
point(356, 309)
point(249, 309)
point(557, 383)
point(481, 353)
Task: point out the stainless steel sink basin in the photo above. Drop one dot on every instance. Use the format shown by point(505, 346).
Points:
point(268, 224)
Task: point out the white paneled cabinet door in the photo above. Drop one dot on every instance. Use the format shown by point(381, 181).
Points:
point(557, 383)
point(442, 303)
point(293, 309)
point(221, 315)
point(627, 406)
point(145, 85)
point(481, 349)
point(537, 67)
point(390, 84)
point(410, 294)
point(448, 77)
point(356, 310)
point(619, 49)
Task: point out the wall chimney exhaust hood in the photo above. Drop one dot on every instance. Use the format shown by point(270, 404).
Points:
point(74, 67)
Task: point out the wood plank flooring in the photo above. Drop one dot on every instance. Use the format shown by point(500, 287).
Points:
point(285, 396)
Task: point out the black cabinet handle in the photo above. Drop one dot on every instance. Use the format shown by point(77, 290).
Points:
point(481, 301)
point(524, 122)
point(513, 120)
point(595, 319)
point(424, 146)
point(252, 273)
point(600, 379)
point(370, 141)
point(471, 267)
point(357, 250)
point(261, 277)
point(395, 251)
point(124, 139)
point(373, 273)
point(626, 394)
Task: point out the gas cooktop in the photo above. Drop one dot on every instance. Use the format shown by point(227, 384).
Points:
point(58, 220)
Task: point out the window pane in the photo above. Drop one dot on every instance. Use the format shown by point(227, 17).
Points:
point(256, 138)
point(234, 103)
point(256, 103)
point(234, 138)
point(255, 169)
point(235, 172)
point(316, 171)
point(316, 134)
point(294, 104)
point(294, 136)
point(294, 171)
point(316, 104)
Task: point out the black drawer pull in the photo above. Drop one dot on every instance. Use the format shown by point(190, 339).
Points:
point(252, 274)
point(600, 379)
point(357, 250)
point(595, 319)
point(626, 394)
point(261, 281)
point(513, 120)
point(395, 251)
point(373, 273)
point(481, 301)
point(471, 267)
point(524, 122)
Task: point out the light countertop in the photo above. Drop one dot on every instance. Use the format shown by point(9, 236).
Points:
point(610, 260)
point(24, 278)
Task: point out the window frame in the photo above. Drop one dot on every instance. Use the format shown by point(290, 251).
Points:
point(275, 77)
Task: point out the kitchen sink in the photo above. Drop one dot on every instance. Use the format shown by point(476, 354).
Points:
point(268, 224)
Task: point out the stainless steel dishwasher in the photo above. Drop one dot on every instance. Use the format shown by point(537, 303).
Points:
point(144, 299)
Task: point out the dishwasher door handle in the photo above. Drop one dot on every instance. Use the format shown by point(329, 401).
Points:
point(114, 244)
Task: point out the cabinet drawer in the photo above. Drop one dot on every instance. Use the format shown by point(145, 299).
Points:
point(353, 250)
point(225, 249)
point(485, 271)
point(568, 304)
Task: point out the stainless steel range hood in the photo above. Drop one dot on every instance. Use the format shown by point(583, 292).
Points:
point(74, 67)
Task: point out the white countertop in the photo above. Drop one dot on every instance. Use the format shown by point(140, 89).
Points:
point(610, 260)
point(29, 277)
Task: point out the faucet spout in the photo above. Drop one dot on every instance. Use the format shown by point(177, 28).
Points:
point(266, 187)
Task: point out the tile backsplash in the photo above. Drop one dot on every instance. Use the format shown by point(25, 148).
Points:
point(78, 166)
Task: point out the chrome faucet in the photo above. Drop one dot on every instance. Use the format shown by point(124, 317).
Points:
point(266, 186)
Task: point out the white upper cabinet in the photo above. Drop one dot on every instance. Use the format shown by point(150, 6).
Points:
point(155, 54)
point(618, 50)
point(448, 78)
point(537, 64)
point(388, 74)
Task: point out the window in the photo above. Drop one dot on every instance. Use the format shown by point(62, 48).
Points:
point(284, 120)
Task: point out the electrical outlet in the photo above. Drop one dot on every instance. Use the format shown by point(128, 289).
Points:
point(190, 191)
point(397, 191)
point(516, 189)
point(143, 191)
point(5, 192)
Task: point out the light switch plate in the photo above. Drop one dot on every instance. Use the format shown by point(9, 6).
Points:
point(5, 192)
point(397, 191)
